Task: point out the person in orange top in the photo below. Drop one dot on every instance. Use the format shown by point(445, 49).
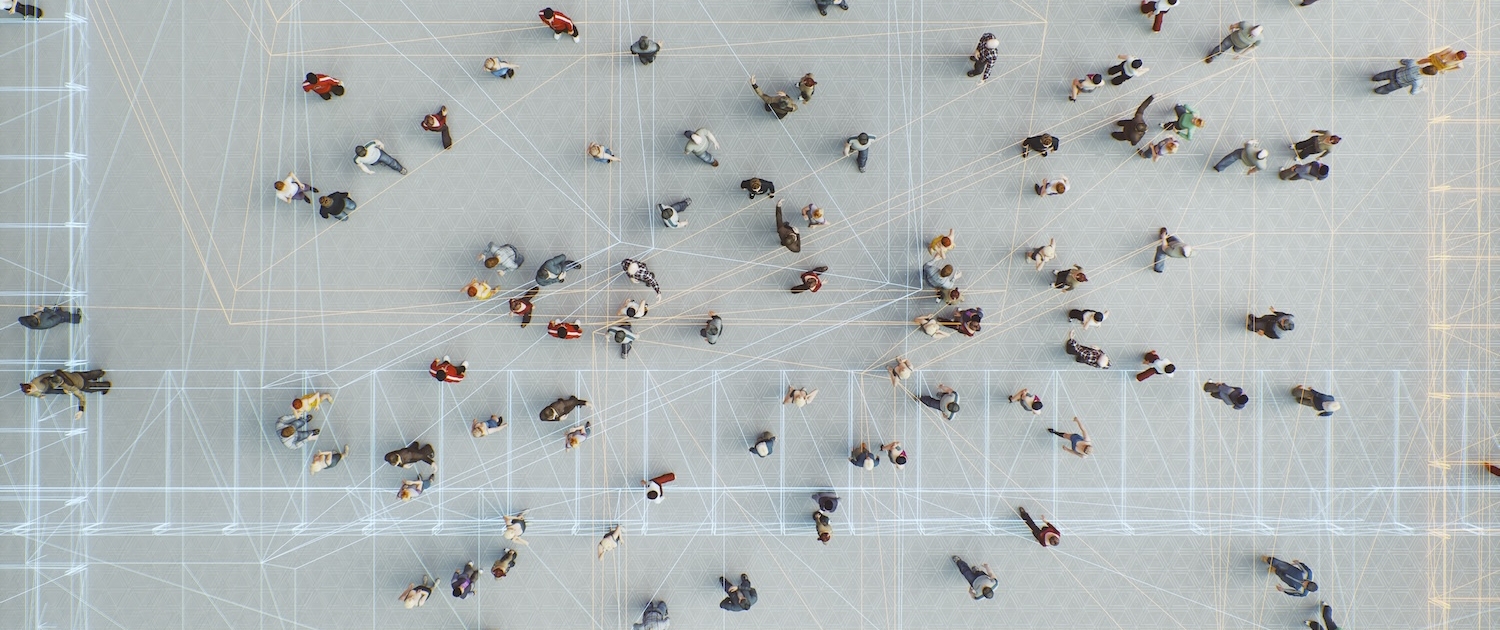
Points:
point(1444, 60)
point(560, 23)
point(479, 290)
point(323, 85)
point(304, 405)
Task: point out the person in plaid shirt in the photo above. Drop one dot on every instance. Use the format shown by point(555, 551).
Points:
point(984, 57)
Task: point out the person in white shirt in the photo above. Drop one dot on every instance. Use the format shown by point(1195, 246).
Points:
point(293, 188)
point(373, 153)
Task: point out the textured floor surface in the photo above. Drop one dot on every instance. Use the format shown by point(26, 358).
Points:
point(142, 139)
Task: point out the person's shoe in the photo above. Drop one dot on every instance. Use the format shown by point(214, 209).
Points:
point(768, 107)
point(1208, 59)
point(844, 6)
point(575, 39)
point(557, 36)
point(1073, 98)
point(823, 11)
point(403, 170)
point(714, 164)
point(1167, 126)
point(1162, 233)
point(1038, 188)
point(861, 169)
point(1250, 322)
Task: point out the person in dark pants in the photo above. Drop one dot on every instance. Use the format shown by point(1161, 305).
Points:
point(47, 317)
point(439, 123)
point(1328, 623)
point(655, 617)
point(559, 22)
point(712, 329)
point(1313, 170)
point(1295, 574)
point(1320, 143)
point(324, 86)
point(778, 103)
point(764, 445)
point(74, 384)
point(1134, 129)
point(1230, 395)
point(861, 145)
point(946, 402)
point(335, 206)
point(861, 457)
point(757, 186)
point(1046, 536)
point(25, 10)
point(560, 408)
point(981, 583)
point(1087, 355)
point(811, 280)
point(523, 306)
point(408, 456)
point(463, 581)
point(1320, 401)
point(645, 50)
point(1128, 68)
point(740, 597)
point(984, 56)
point(828, 502)
point(555, 270)
point(1044, 144)
point(1270, 326)
point(824, 4)
point(791, 239)
point(1169, 246)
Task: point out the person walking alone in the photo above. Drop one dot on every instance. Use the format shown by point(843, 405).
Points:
point(1320, 143)
point(1295, 574)
point(1169, 246)
point(1128, 68)
point(336, 205)
point(438, 123)
point(1242, 37)
point(698, 143)
point(778, 103)
point(946, 402)
point(860, 144)
point(1078, 443)
point(981, 583)
point(1157, 11)
point(645, 50)
point(791, 239)
point(984, 57)
point(1233, 396)
point(560, 23)
point(1134, 129)
point(291, 188)
point(1323, 403)
point(1047, 535)
point(324, 86)
point(1407, 76)
point(373, 152)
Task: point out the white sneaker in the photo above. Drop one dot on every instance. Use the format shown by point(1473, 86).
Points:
point(557, 36)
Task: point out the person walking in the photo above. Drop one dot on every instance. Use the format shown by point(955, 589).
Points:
point(601, 153)
point(645, 50)
point(764, 445)
point(634, 309)
point(463, 581)
point(941, 245)
point(408, 456)
point(1047, 535)
point(900, 370)
point(501, 258)
point(638, 273)
point(1068, 279)
point(307, 403)
point(861, 457)
point(1087, 355)
point(324, 86)
point(1228, 394)
point(1443, 60)
point(323, 460)
point(828, 502)
point(984, 57)
point(940, 277)
point(1088, 317)
point(560, 23)
point(895, 454)
point(555, 270)
point(446, 372)
point(967, 322)
point(514, 527)
point(411, 489)
point(1242, 37)
point(739, 597)
point(623, 335)
point(1251, 155)
point(1157, 11)
point(1134, 129)
point(1168, 146)
point(812, 280)
point(438, 123)
point(981, 583)
point(712, 329)
point(23, 10)
point(1050, 187)
point(1323, 403)
point(806, 86)
point(1028, 401)
point(523, 306)
point(655, 486)
point(1328, 623)
point(1155, 364)
point(1295, 574)
point(1407, 76)
point(946, 402)
point(482, 428)
point(415, 596)
point(1187, 121)
point(791, 239)
point(1086, 85)
point(479, 290)
point(932, 325)
point(861, 145)
point(500, 68)
point(1044, 144)
point(609, 542)
point(824, 4)
point(654, 618)
point(336, 205)
point(698, 143)
point(1043, 254)
point(1320, 143)
point(560, 408)
point(1169, 246)
point(1128, 68)
point(504, 564)
point(576, 435)
point(565, 329)
point(1313, 170)
point(74, 384)
point(292, 188)
point(1078, 443)
point(799, 396)
point(373, 152)
point(779, 103)
point(814, 216)
point(1270, 326)
point(757, 186)
point(49, 317)
point(296, 431)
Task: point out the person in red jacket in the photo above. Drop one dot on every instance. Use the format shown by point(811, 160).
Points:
point(444, 370)
point(811, 280)
point(564, 330)
point(560, 23)
point(323, 85)
point(439, 123)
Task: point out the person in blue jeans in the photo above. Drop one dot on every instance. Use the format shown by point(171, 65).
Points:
point(373, 152)
point(1328, 623)
point(981, 583)
point(1295, 574)
point(861, 144)
point(555, 270)
point(336, 206)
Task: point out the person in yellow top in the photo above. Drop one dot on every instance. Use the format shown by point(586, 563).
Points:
point(479, 290)
point(940, 245)
point(1444, 60)
point(304, 405)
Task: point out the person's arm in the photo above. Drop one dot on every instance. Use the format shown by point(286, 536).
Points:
point(1122, 57)
point(1081, 430)
point(811, 395)
point(78, 393)
point(788, 397)
point(945, 389)
point(710, 135)
point(848, 147)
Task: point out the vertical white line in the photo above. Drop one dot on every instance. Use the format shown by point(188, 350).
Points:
point(849, 380)
point(713, 453)
point(1260, 454)
point(781, 469)
point(1328, 461)
point(1192, 451)
point(646, 389)
point(510, 444)
point(989, 509)
point(1395, 447)
point(1123, 445)
point(374, 451)
point(1463, 488)
point(578, 384)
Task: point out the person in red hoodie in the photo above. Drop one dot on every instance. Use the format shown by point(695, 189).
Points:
point(559, 22)
point(439, 123)
point(323, 85)
point(444, 370)
point(564, 330)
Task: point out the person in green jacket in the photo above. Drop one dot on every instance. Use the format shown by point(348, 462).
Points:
point(1187, 121)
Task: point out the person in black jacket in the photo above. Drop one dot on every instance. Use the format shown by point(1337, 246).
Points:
point(335, 206)
point(791, 239)
point(49, 316)
point(1134, 130)
point(1270, 325)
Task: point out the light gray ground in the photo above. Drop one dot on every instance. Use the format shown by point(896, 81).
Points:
point(142, 139)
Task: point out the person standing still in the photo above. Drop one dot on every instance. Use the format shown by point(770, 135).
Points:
point(1295, 574)
point(861, 144)
point(645, 50)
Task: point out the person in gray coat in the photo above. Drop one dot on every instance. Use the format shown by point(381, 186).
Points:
point(655, 617)
point(740, 597)
point(645, 50)
point(671, 215)
point(711, 330)
point(1242, 37)
point(555, 270)
point(1251, 154)
point(1407, 76)
point(940, 277)
point(764, 445)
point(1169, 246)
point(791, 239)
